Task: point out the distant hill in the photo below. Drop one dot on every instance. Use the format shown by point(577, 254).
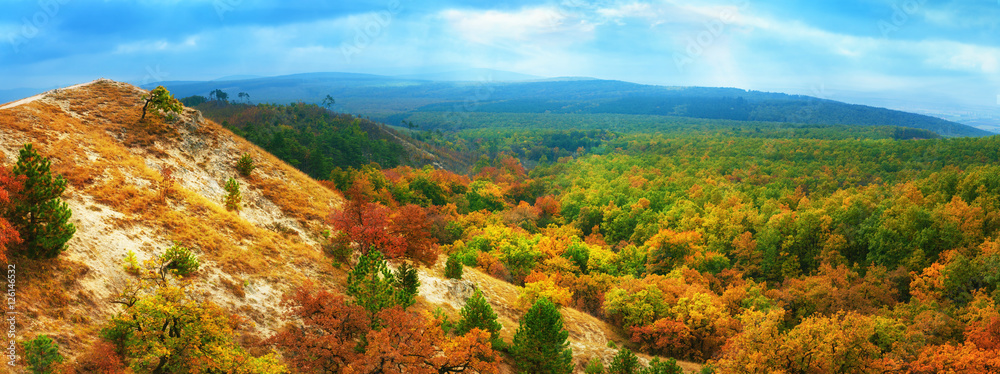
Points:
point(391, 98)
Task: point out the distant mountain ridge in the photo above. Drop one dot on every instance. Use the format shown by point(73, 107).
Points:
point(390, 98)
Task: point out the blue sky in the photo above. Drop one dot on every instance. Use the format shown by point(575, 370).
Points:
point(912, 51)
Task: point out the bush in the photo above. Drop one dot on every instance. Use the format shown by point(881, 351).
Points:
point(453, 268)
point(41, 353)
point(233, 197)
point(625, 362)
point(245, 165)
point(180, 260)
point(594, 366)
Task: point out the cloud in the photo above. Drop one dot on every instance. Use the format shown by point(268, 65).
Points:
point(539, 25)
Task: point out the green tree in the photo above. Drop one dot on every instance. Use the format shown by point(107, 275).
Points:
point(219, 95)
point(477, 313)
point(669, 366)
point(233, 197)
point(453, 268)
point(41, 353)
point(625, 362)
point(180, 260)
point(245, 165)
point(594, 366)
point(407, 284)
point(40, 216)
point(160, 99)
point(328, 101)
point(375, 288)
point(540, 345)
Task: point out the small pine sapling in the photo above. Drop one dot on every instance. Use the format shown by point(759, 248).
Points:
point(180, 260)
point(245, 165)
point(41, 353)
point(233, 197)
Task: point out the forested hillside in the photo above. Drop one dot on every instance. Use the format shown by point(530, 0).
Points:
point(776, 247)
point(392, 99)
point(682, 246)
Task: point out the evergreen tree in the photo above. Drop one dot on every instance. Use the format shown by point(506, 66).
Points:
point(624, 362)
point(477, 313)
point(40, 216)
point(540, 345)
point(375, 288)
point(41, 353)
point(407, 284)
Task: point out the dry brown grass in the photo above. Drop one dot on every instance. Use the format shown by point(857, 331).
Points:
point(104, 153)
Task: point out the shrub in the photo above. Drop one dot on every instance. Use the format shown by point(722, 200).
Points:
point(40, 216)
point(41, 353)
point(625, 362)
point(180, 260)
point(233, 197)
point(594, 366)
point(245, 165)
point(453, 268)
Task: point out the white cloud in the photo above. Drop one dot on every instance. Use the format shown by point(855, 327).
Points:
point(540, 25)
point(162, 45)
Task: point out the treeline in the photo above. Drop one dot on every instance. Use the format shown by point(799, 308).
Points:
point(308, 136)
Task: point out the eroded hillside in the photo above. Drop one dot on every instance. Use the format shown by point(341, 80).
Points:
point(142, 187)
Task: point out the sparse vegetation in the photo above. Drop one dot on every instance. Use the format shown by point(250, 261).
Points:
point(37, 212)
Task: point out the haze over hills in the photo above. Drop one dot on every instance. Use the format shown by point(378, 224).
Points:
point(392, 99)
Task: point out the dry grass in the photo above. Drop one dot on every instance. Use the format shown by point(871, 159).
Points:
point(94, 140)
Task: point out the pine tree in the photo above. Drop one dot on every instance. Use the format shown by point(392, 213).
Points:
point(233, 197)
point(540, 345)
point(624, 362)
point(41, 353)
point(477, 313)
point(40, 216)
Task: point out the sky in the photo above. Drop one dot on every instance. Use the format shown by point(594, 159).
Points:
point(917, 52)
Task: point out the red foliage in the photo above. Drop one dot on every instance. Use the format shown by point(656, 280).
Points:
point(336, 337)
point(10, 186)
point(665, 335)
point(331, 328)
point(102, 358)
point(411, 226)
